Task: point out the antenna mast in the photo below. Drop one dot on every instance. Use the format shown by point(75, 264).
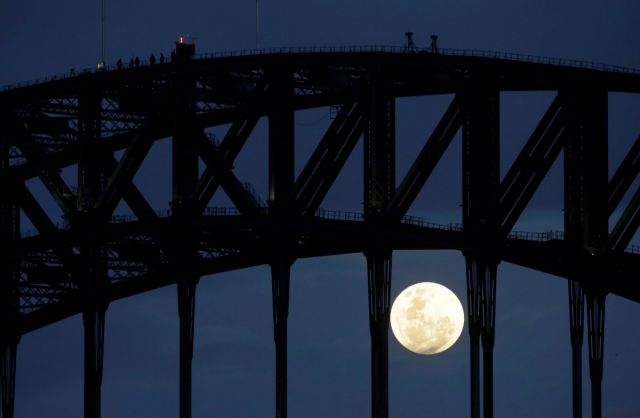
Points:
point(103, 19)
point(257, 25)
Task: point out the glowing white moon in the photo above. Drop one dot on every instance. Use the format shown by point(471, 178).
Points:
point(427, 318)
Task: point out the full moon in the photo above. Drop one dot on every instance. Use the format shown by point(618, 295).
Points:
point(427, 318)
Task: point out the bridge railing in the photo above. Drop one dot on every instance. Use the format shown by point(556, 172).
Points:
point(537, 236)
point(394, 49)
point(350, 216)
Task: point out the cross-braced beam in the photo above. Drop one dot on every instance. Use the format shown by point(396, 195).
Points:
point(131, 161)
point(219, 159)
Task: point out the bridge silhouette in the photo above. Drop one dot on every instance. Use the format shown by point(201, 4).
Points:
point(104, 123)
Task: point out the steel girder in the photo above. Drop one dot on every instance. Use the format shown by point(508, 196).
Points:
point(43, 127)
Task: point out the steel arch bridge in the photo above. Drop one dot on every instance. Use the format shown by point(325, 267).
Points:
point(104, 124)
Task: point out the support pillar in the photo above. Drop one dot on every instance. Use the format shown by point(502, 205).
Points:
point(187, 282)
point(379, 188)
point(481, 193)
point(488, 305)
point(379, 285)
point(8, 376)
point(185, 260)
point(481, 297)
point(576, 324)
point(9, 290)
point(474, 292)
point(94, 289)
point(93, 321)
point(281, 182)
point(586, 227)
point(595, 321)
point(280, 280)
point(93, 268)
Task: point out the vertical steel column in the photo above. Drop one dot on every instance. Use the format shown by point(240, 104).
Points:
point(281, 181)
point(576, 321)
point(185, 264)
point(185, 167)
point(586, 225)
point(481, 182)
point(595, 321)
point(488, 305)
point(280, 279)
point(379, 175)
point(474, 292)
point(379, 284)
point(481, 298)
point(93, 274)
point(8, 375)
point(9, 291)
point(93, 321)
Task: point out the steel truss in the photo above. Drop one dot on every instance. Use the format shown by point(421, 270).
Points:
point(104, 124)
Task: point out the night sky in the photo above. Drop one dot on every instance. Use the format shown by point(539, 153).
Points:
point(328, 322)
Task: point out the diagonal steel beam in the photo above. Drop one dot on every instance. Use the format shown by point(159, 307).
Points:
point(531, 166)
point(50, 177)
point(626, 226)
point(624, 176)
point(429, 156)
point(36, 215)
point(57, 187)
point(219, 159)
point(328, 158)
point(45, 226)
point(131, 161)
point(218, 172)
point(132, 195)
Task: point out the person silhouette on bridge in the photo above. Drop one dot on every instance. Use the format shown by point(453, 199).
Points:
point(434, 44)
point(161, 58)
point(411, 46)
point(136, 62)
point(152, 59)
point(119, 64)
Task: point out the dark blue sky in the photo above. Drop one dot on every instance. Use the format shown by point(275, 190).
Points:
point(328, 329)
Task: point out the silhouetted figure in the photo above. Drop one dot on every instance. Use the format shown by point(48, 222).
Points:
point(119, 64)
point(136, 62)
point(434, 44)
point(72, 71)
point(152, 59)
point(411, 46)
point(161, 58)
point(173, 56)
point(131, 63)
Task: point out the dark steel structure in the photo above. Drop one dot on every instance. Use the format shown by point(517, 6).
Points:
point(104, 123)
